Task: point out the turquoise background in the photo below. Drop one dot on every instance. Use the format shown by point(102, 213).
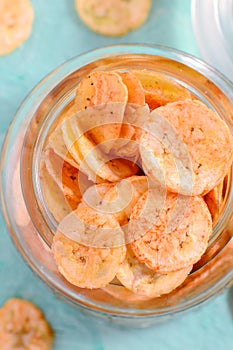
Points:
point(58, 35)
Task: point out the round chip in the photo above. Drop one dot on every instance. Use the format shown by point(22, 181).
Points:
point(113, 18)
point(23, 326)
point(173, 237)
point(92, 228)
point(189, 145)
point(96, 263)
point(159, 89)
point(106, 92)
point(138, 278)
point(16, 18)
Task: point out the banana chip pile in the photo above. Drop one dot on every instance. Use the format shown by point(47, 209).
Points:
point(134, 175)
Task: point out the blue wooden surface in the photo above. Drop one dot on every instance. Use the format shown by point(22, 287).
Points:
point(57, 36)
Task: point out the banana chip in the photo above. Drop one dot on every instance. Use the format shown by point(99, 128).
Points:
point(23, 326)
point(159, 89)
point(103, 89)
point(186, 145)
point(16, 19)
point(138, 278)
point(172, 238)
point(92, 258)
point(113, 18)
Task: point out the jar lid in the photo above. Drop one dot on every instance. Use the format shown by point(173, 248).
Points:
point(213, 29)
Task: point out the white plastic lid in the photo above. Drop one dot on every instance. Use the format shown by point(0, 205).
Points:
point(213, 29)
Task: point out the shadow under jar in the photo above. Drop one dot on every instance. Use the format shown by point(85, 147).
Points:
point(25, 211)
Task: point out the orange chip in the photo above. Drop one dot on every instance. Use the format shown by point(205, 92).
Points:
point(136, 94)
point(113, 18)
point(159, 89)
point(96, 263)
point(126, 146)
point(16, 18)
point(138, 278)
point(189, 144)
point(23, 326)
point(98, 89)
point(172, 237)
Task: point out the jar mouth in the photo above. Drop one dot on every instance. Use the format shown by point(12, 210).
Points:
point(185, 69)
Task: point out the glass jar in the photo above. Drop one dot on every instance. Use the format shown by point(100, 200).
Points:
point(28, 224)
point(218, 52)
